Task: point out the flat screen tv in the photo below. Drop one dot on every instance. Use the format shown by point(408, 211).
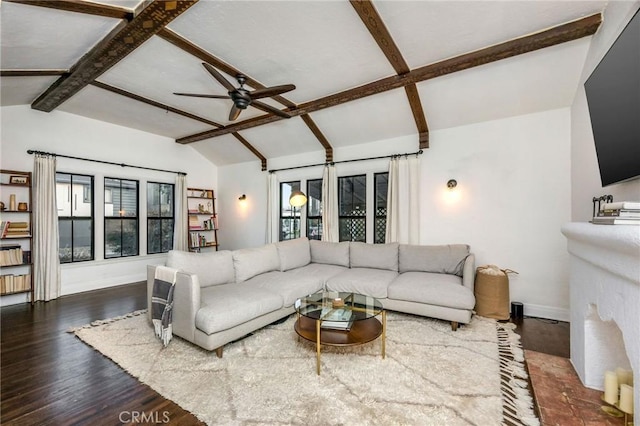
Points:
point(613, 96)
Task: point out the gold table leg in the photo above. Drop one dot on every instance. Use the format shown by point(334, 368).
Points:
point(384, 332)
point(318, 346)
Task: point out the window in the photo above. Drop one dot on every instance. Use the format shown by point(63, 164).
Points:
point(160, 217)
point(352, 207)
point(381, 181)
point(120, 218)
point(74, 198)
point(314, 209)
point(289, 217)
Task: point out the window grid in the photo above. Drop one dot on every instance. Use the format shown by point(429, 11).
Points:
point(381, 184)
point(352, 206)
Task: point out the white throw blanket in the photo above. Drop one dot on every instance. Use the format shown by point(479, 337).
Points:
point(162, 302)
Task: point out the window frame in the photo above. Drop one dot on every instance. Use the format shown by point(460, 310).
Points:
point(79, 218)
point(342, 217)
point(121, 218)
point(160, 218)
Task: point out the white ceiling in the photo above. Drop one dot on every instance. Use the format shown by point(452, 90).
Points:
point(322, 47)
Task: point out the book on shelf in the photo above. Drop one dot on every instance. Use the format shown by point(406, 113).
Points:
point(11, 255)
point(621, 205)
point(613, 220)
point(15, 283)
point(620, 213)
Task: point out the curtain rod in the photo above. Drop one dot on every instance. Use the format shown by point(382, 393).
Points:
point(30, 151)
point(348, 161)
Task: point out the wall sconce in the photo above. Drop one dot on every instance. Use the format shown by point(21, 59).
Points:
point(242, 197)
point(452, 183)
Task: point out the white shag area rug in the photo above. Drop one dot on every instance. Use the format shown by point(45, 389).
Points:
point(431, 375)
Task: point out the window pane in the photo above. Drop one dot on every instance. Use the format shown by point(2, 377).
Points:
point(286, 188)
point(63, 194)
point(82, 239)
point(353, 229)
point(167, 235)
point(314, 197)
point(64, 231)
point(154, 236)
point(314, 229)
point(112, 236)
point(82, 190)
point(352, 195)
point(112, 197)
point(129, 237)
point(166, 200)
point(153, 200)
point(380, 224)
point(129, 203)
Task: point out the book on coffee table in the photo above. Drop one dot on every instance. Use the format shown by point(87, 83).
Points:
point(336, 319)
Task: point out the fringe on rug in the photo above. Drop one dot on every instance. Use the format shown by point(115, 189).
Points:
point(108, 321)
point(517, 403)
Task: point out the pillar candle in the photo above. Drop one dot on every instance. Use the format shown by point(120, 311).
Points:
point(626, 398)
point(610, 387)
point(624, 376)
point(12, 202)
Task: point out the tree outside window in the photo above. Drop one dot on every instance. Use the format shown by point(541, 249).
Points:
point(74, 200)
point(160, 217)
point(120, 218)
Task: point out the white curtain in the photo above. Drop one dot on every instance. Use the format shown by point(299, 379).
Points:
point(272, 209)
point(403, 201)
point(330, 226)
point(46, 261)
point(180, 229)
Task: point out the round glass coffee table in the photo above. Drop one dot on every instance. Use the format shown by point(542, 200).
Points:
point(340, 319)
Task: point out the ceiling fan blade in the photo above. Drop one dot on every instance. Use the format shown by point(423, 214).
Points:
point(216, 74)
point(199, 95)
point(271, 91)
point(234, 113)
point(268, 108)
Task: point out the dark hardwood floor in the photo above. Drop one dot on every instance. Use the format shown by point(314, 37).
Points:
point(49, 377)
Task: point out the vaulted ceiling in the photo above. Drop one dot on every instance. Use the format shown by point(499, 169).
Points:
point(363, 70)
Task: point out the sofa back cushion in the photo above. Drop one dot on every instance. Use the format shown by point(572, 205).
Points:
point(212, 268)
point(294, 253)
point(377, 256)
point(330, 253)
point(250, 262)
point(442, 259)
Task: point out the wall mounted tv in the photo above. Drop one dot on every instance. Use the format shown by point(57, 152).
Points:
point(613, 95)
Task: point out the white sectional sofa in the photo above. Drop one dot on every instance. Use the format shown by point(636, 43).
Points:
point(222, 296)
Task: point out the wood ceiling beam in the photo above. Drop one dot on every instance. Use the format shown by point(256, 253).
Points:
point(195, 50)
point(32, 73)
point(560, 34)
point(122, 40)
point(251, 148)
point(151, 102)
point(378, 30)
point(81, 6)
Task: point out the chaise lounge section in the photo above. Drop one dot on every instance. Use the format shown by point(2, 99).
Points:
point(222, 296)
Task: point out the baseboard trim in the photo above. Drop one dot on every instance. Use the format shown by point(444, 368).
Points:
point(549, 312)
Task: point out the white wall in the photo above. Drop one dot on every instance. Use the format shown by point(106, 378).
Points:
point(513, 195)
point(585, 175)
point(68, 134)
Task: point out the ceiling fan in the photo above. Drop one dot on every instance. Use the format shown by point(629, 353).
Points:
point(242, 97)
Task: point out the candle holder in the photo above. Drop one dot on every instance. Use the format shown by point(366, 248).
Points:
point(614, 410)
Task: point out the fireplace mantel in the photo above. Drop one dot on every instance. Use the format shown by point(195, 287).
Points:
point(605, 278)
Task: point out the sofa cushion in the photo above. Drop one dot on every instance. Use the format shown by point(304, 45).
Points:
point(250, 262)
point(321, 271)
point(433, 289)
point(212, 268)
point(289, 287)
point(294, 253)
point(443, 259)
point(371, 282)
point(226, 306)
point(330, 253)
point(378, 256)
